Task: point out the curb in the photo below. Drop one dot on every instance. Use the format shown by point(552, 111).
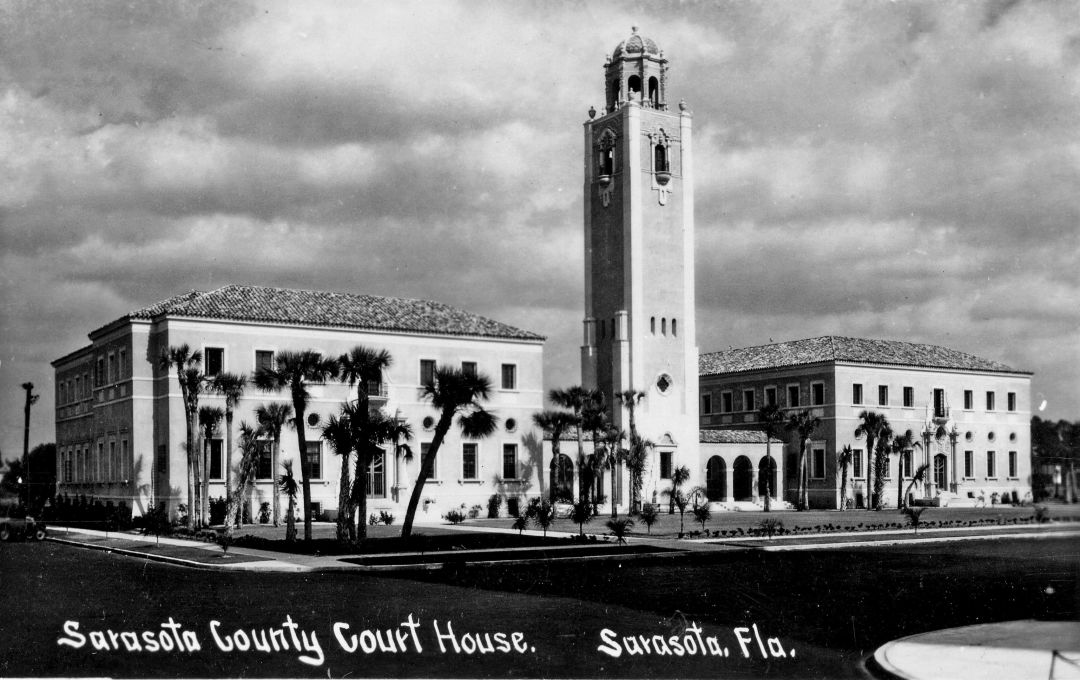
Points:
point(180, 561)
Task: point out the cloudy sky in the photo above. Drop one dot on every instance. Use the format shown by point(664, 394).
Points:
point(897, 170)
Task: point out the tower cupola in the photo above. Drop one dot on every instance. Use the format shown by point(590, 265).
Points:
point(636, 72)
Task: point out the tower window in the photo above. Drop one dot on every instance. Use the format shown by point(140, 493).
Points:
point(674, 328)
point(633, 86)
point(654, 91)
point(652, 325)
point(663, 326)
point(660, 161)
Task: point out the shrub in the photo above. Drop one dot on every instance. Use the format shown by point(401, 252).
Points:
point(494, 504)
point(520, 523)
point(386, 518)
point(581, 513)
point(454, 517)
point(218, 506)
point(156, 521)
point(264, 513)
point(914, 516)
point(372, 519)
point(770, 525)
point(702, 514)
point(1042, 514)
point(544, 514)
point(620, 527)
point(475, 510)
point(649, 516)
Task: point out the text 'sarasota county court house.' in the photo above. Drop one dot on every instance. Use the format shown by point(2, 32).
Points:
point(120, 419)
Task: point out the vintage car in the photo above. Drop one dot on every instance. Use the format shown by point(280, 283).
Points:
point(16, 524)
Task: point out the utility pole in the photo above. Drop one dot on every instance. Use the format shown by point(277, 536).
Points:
point(31, 399)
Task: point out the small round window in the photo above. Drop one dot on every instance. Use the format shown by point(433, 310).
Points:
point(1012, 436)
point(990, 436)
point(428, 422)
point(969, 436)
point(664, 383)
point(511, 424)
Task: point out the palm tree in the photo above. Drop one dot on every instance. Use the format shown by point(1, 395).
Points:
point(613, 438)
point(554, 424)
point(772, 422)
point(231, 386)
point(918, 478)
point(363, 367)
point(189, 375)
point(804, 424)
point(576, 398)
point(338, 435)
point(900, 444)
point(272, 418)
point(871, 425)
point(679, 476)
point(594, 419)
point(246, 471)
point(637, 454)
point(370, 431)
point(881, 462)
point(843, 459)
point(453, 393)
point(209, 418)
point(295, 371)
point(287, 483)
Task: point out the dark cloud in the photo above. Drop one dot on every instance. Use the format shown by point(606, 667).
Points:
point(900, 170)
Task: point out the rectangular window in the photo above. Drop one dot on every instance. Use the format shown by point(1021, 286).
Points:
point(1012, 401)
point(883, 395)
point(1012, 464)
point(468, 461)
point(314, 460)
point(125, 465)
point(989, 401)
point(817, 394)
point(856, 464)
point(969, 464)
point(78, 390)
point(468, 368)
point(909, 397)
point(99, 463)
point(67, 468)
point(112, 369)
point(264, 360)
point(509, 376)
point(217, 457)
point(110, 465)
point(748, 400)
point(122, 367)
point(885, 472)
point(266, 469)
point(509, 466)
point(817, 464)
point(99, 374)
point(424, 448)
point(969, 400)
point(792, 396)
point(215, 360)
point(905, 460)
point(665, 465)
point(856, 394)
point(726, 405)
point(427, 371)
point(939, 403)
point(706, 403)
point(770, 396)
point(991, 464)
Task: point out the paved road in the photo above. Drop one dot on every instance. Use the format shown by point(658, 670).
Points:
point(832, 608)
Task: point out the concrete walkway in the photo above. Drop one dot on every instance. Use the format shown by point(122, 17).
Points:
point(204, 555)
point(1017, 650)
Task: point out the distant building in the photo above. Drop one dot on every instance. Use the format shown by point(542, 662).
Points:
point(969, 417)
point(120, 420)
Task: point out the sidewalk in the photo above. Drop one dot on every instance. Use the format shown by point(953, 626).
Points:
point(201, 555)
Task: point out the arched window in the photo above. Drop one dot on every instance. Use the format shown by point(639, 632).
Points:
point(663, 326)
point(613, 334)
point(613, 94)
point(654, 92)
point(633, 87)
point(660, 160)
point(674, 328)
point(652, 325)
point(606, 161)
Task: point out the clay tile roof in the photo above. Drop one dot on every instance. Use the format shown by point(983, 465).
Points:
point(635, 44)
point(320, 308)
point(734, 437)
point(853, 350)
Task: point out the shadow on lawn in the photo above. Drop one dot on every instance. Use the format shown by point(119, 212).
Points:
point(418, 543)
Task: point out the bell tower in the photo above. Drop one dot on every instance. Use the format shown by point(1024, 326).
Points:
point(639, 330)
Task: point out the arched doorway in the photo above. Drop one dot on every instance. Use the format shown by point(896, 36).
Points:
point(716, 479)
point(742, 479)
point(941, 471)
point(562, 478)
point(767, 473)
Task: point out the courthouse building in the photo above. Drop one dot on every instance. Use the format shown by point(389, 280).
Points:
point(120, 419)
point(969, 417)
